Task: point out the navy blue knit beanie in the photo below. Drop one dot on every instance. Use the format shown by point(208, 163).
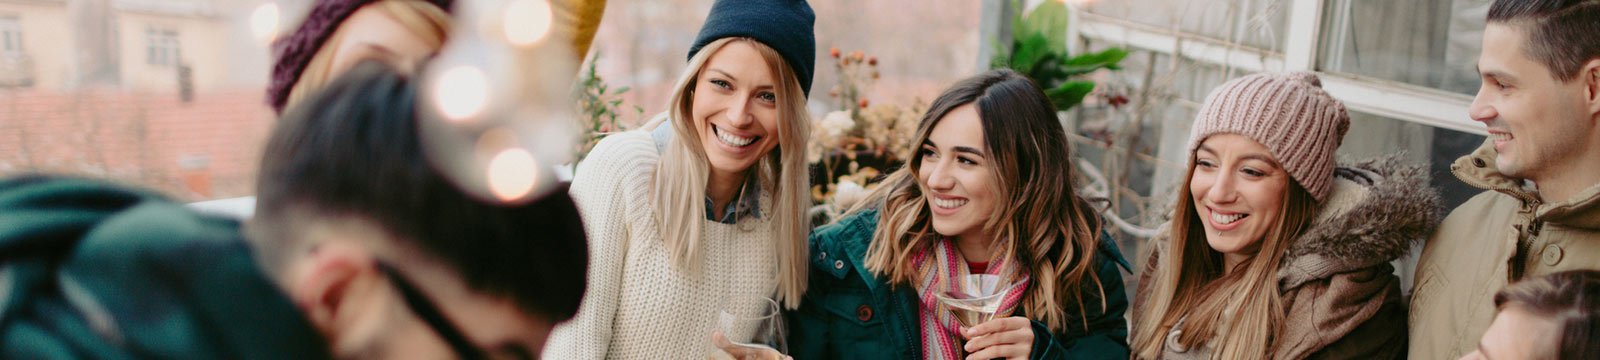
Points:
point(783, 25)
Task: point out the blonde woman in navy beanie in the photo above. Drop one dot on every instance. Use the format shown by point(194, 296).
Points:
point(706, 203)
point(1274, 251)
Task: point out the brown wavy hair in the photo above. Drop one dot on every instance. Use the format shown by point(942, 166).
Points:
point(1041, 222)
point(1190, 283)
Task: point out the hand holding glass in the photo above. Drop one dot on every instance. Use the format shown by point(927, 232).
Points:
point(747, 327)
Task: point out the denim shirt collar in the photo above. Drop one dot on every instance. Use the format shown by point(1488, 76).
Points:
point(746, 203)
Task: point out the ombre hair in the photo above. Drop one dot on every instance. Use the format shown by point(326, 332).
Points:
point(683, 170)
point(1243, 305)
point(1040, 221)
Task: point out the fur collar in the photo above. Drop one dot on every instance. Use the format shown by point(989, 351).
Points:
point(1378, 209)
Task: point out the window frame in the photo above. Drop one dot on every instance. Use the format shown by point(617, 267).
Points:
point(162, 47)
point(1405, 102)
point(11, 41)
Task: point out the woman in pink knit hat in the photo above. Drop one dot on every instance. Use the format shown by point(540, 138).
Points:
point(1274, 251)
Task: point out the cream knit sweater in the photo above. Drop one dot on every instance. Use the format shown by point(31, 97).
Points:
point(639, 305)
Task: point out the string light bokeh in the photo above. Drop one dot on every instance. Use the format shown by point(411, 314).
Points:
point(498, 113)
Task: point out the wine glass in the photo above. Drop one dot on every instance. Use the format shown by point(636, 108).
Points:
point(976, 297)
point(747, 322)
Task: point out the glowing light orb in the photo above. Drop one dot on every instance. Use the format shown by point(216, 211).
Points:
point(462, 92)
point(527, 21)
point(512, 174)
point(264, 22)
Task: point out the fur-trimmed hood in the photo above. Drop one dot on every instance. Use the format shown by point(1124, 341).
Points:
point(1378, 209)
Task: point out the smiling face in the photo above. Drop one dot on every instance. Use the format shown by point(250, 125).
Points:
point(1238, 191)
point(735, 108)
point(1537, 122)
point(955, 174)
point(1517, 334)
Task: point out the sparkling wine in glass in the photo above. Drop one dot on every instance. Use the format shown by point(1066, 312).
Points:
point(976, 298)
point(749, 322)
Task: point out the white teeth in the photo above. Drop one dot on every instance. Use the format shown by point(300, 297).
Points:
point(1500, 136)
point(1226, 219)
point(733, 140)
point(948, 204)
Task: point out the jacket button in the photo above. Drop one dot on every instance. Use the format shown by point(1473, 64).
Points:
point(863, 313)
point(823, 256)
point(838, 264)
point(1478, 162)
point(1552, 255)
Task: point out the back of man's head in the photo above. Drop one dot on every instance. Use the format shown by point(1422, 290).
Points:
point(1562, 34)
point(353, 152)
point(1571, 299)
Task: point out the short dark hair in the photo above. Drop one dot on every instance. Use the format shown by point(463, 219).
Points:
point(1562, 34)
point(1571, 298)
point(353, 150)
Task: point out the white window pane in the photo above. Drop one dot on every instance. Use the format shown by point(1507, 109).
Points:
point(1255, 23)
point(1431, 43)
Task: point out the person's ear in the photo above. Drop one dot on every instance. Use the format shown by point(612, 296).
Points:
point(335, 286)
point(1589, 77)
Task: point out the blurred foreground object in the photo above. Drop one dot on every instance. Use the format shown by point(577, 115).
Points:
point(497, 104)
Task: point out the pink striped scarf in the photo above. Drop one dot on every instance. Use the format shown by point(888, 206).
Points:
point(941, 332)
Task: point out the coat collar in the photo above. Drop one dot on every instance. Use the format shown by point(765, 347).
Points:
point(1378, 208)
point(840, 248)
point(1478, 169)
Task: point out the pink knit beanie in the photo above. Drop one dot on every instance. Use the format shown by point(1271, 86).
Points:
point(1286, 112)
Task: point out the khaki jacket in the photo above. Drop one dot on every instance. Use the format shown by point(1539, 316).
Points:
point(1476, 252)
point(1340, 295)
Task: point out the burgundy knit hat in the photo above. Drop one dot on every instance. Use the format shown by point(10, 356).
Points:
point(293, 52)
point(1286, 112)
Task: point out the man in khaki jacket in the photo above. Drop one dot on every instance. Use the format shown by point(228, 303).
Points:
point(1540, 100)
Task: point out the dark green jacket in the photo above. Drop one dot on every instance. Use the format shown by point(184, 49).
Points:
point(90, 270)
point(850, 314)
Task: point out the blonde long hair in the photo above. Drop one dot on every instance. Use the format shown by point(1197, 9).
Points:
point(683, 171)
point(1041, 222)
point(1191, 284)
point(425, 20)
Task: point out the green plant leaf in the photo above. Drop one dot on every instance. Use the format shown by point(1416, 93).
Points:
point(1087, 63)
point(1070, 94)
point(1030, 52)
point(1050, 20)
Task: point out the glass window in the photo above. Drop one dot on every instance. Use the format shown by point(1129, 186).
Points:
point(162, 47)
point(1430, 43)
point(1255, 23)
point(10, 35)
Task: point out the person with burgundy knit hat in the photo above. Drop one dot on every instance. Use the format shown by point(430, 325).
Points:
point(1274, 251)
point(337, 34)
point(705, 203)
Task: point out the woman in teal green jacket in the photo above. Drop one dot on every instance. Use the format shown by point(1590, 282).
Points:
point(988, 191)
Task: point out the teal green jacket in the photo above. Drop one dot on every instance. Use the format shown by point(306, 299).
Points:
point(90, 270)
point(848, 313)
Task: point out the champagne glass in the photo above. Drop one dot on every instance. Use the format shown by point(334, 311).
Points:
point(749, 323)
point(976, 297)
